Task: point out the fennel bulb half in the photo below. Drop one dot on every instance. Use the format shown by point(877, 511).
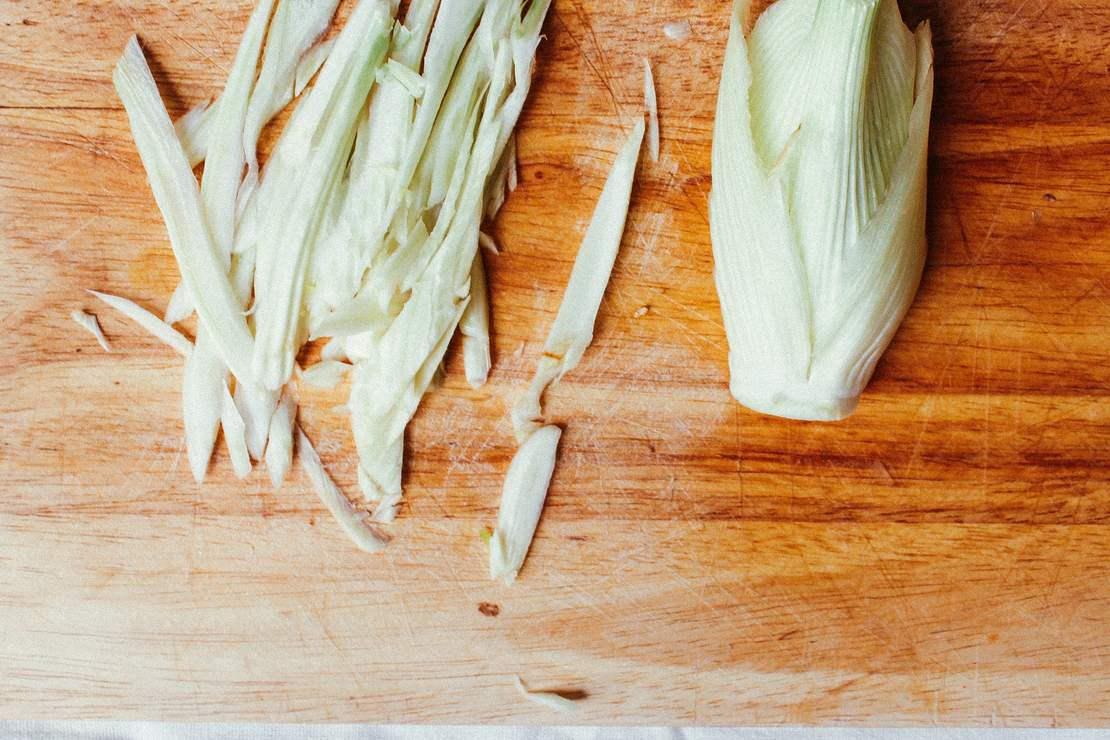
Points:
point(818, 203)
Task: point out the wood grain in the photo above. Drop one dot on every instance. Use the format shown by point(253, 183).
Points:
point(942, 557)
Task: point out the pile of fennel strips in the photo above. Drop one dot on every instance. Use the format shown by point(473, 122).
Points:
point(363, 226)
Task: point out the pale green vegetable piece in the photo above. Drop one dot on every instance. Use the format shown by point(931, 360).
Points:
point(818, 203)
point(474, 327)
point(201, 404)
point(522, 499)
point(256, 405)
point(225, 156)
point(325, 374)
point(429, 267)
point(175, 191)
point(353, 521)
point(235, 434)
point(193, 130)
point(548, 699)
point(651, 108)
point(573, 330)
point(279, 447)
point(205, 382)
point(160, 329)
point(88, 322)
point(384, 134)
point(411, 81)
point(180, 306)
point(310, 64)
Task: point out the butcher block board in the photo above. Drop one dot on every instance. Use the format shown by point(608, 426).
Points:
point(941, 557)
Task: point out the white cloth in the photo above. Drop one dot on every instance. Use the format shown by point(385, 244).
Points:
point(15, 730)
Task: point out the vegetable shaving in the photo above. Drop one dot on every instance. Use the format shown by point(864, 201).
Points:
point(474, 327)
point(325, 374)
point(175, 191)
point(651, 107)
point(522, 500)
point(548, 699)
point(89, 323)
point(279, 449)
point(573, 330)
point(678, 30)
point(154, 325)
point(353, 521)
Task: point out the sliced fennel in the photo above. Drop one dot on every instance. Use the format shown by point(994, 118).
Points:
point(256, 406)
point(522, 500)
point(817, 209)
point(175, 190)
point(363, 227)
point(193, 131)
point(160, 329)
point(180, 306)
point(353, 521)
point(235, 434)
point(678, 30)
point(549, 699)
point(201, 404)
point(225, 156)
point(325, 374)
point(651, 107)
point(476, 81)
point(88, 322)
point(573, 329)
point(310, 64)
point(205, 399)
point(474, 327)
point(279, 448)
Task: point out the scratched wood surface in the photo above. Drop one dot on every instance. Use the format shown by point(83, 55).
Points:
point(942, 557)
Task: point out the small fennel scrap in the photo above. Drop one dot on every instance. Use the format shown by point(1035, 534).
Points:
point(549, 699)
point(89, 323)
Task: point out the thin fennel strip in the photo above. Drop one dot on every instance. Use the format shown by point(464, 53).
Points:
point(235, 434)
point(205, 400)
point(476, 115)
point(279, 448)
point(310, 64)
point(474, 327)
point(175, 191)
point(154, 325)
point(353, 521)
point(548, 699)
point(651, 107)
point(193, 130)
point(573, 329)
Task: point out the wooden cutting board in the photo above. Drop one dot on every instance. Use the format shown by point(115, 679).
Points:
point(942, 557)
